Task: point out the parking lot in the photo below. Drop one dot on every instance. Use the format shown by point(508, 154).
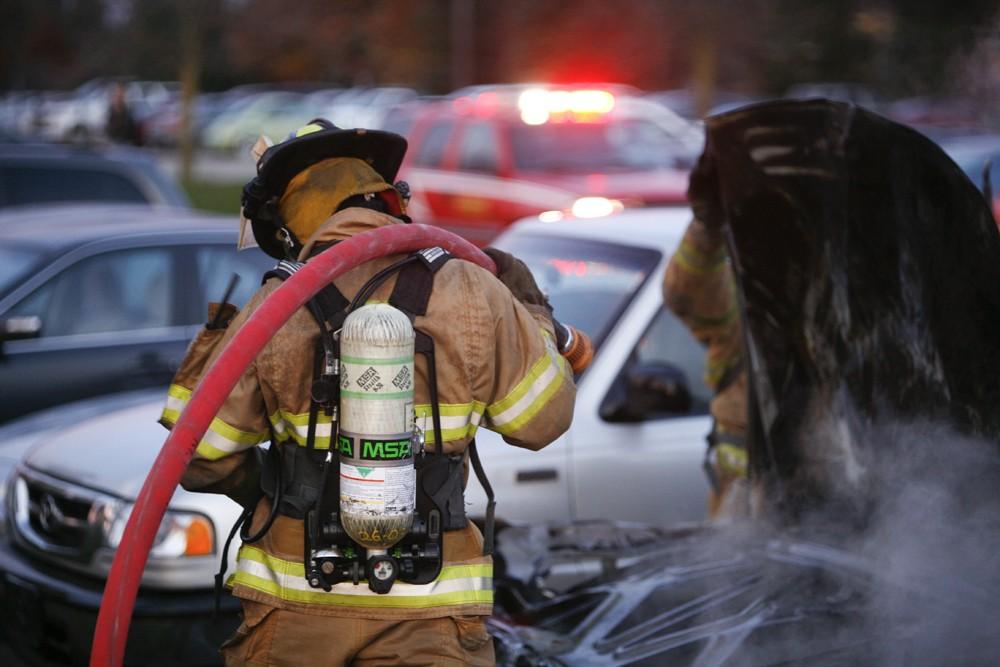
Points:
point(728, 368)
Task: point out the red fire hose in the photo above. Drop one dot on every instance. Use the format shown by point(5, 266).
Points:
point(130, 559)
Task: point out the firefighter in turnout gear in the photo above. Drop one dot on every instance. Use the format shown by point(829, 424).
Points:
point(494, 362)
point(700, 289)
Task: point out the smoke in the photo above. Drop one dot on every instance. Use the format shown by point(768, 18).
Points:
point(934, 538)
point(918, 505)
point(905, 573)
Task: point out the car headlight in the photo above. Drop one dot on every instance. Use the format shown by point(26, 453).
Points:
point(180, 533)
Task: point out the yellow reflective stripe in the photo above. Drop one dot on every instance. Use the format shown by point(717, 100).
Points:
point(221, 440)
point(716, 369)
point(458, 420)
point(465, 571)
point(530, 395)
point(307, 129)
point(725, 318)
point(296, 426)
point(458, 584)
point(177, 400)
point(732, 459)
point(693, 260)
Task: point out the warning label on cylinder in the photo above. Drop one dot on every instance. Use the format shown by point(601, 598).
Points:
point(372, 378)
point(382, 490)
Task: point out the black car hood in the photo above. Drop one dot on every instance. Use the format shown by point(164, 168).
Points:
point(870, 269)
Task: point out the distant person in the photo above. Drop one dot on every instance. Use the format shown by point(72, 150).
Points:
point(700, 289)
point(121, 127)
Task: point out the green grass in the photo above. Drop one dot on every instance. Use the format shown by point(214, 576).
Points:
point(215, 197)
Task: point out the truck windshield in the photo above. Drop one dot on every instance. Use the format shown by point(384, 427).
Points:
point(589, 283)
point(614, 145)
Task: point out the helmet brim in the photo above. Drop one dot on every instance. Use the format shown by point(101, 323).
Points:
point(384, 151)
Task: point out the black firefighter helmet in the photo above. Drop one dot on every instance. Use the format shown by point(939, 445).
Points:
point(318, 140)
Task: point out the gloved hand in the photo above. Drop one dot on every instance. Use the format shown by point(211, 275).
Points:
point(703, 193)
point(513, 273)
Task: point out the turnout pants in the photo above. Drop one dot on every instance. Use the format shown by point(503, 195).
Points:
point(280, 637)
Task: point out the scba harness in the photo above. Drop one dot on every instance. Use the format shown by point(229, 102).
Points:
point(305, 482)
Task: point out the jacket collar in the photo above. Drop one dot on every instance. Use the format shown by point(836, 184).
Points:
point(345, 224)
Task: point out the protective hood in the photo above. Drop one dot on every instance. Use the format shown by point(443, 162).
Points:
point(316, 192)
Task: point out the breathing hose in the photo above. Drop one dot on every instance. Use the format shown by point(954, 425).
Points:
point(122, 585)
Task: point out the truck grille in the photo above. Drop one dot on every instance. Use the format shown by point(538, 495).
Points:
point(58, 518)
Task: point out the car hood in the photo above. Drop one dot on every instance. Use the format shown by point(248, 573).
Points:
point(665, 186)
point(110, 445)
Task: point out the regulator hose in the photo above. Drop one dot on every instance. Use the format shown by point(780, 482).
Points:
point(118, 601)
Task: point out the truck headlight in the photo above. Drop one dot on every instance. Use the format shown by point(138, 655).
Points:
point(180, 533)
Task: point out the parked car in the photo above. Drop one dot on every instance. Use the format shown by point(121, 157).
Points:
point(39, 173)
point(76, 469)
point(273, 113)
point(365, 107)
point(97, 299)
point(65, 510)
point(490, 155)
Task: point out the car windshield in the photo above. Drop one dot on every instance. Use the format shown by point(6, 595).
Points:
point(589, 283)
point(13, 264)
point(623, 144)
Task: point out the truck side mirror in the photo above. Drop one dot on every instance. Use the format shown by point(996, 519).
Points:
point(18, 328)
point(647, 390)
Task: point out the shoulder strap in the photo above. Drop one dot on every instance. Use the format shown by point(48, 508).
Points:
point(329, 299)
point(413, 286)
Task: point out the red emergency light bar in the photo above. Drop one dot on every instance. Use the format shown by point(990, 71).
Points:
point(539, 105)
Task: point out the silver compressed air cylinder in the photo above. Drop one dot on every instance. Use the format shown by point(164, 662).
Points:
point(378, 480)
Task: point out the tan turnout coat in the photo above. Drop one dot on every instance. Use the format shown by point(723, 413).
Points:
point(497, 368)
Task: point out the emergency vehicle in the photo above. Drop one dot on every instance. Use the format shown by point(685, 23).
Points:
point(488, 155)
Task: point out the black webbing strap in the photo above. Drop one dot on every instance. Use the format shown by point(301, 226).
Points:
point(413, 288)
point(318, 362)
point(220, 576)
point(328, 300)
point(491, 501)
